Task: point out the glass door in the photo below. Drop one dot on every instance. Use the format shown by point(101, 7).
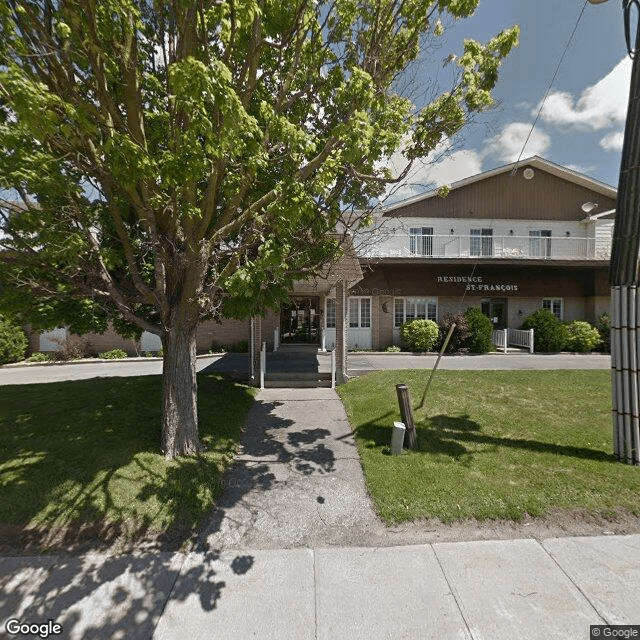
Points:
point(299, 320)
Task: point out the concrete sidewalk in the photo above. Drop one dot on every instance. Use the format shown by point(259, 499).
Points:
point(489, 590)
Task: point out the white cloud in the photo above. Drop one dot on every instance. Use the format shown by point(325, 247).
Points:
point(613, 141)
point(507, 145)
point(600, 106)
point(581, 169)
point(441, 167)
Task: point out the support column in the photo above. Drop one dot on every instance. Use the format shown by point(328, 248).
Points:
point(341, 331)
point(624, 272)
point(254, 349)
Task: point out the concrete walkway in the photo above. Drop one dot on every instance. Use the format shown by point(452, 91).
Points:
point(295, 551)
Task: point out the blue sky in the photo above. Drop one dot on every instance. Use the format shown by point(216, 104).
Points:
point(582, 123)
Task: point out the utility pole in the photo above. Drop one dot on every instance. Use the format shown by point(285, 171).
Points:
point(623, 271)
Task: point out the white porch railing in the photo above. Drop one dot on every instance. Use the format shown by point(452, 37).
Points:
point(499, 339)
point(522, 338)
point(495, 246)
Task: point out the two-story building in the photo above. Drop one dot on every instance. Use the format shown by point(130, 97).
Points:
point(510, 240)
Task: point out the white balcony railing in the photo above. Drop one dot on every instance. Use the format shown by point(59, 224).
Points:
point(505, 247)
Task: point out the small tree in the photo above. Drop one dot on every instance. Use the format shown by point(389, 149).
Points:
point(460, 334)
point(604, 329)
point(480, 331)
point(172, 162)
point(13, 342)
point(420, 335)
point(549, 333)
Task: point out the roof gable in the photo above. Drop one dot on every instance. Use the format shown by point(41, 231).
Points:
point(537, 190)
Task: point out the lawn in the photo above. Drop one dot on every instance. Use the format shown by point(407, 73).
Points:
point(87, 454)
point(492, 444)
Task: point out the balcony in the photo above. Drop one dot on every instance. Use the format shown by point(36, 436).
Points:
point(490, 246)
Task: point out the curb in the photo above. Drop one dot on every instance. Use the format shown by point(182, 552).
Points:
point(54, 363)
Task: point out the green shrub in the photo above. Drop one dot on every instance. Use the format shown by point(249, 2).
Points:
point(114, 354)
point(13, 342)
point(242, 346)
point(420, 335)
point(582, 336)
point(38, 356)
point(480, 329)
point(603, 325)
point(393, 349)
point(460, 334)
point(549, 333)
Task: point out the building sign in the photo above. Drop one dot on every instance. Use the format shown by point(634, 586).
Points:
point(375, 291)
point(476, 283)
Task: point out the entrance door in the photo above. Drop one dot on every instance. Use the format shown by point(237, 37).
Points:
point(496, 310)
point(300, 320)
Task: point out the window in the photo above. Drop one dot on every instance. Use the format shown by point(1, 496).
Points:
point(360, 313)
point(540, 243)
point(421, 241)
point(330, 315)
point(481, 242)
point(554, 305)
point(406, 309)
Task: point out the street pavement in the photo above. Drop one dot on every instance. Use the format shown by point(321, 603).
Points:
point(294, 550)
point(358, 363)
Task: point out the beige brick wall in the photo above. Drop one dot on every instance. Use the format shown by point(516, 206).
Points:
point(385, 322)
point(226, 334)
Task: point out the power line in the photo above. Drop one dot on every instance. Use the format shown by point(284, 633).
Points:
point(546, 95)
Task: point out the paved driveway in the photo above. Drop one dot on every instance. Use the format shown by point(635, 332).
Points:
point(228, 363)
point(359, 363)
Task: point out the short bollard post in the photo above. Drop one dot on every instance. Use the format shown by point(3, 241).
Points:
point(333, 369)
point(407, 414)
point(263, 363)
point(397, 438)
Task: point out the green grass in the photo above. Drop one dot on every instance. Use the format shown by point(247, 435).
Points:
point(88, 453)
point(492, 444)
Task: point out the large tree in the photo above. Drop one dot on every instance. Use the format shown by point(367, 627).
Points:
point(168, 161)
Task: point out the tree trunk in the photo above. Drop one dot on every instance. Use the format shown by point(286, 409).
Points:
point(180, 391)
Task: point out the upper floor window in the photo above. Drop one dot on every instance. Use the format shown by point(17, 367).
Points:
point(421, 241)
point(481, 242)
point(406, 309)
point(555, 305)
point(540, 243)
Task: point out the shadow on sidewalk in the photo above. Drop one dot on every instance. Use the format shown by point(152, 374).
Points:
point(269, 439)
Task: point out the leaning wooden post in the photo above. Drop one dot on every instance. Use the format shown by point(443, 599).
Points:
point(444, 346)
point(407, 416)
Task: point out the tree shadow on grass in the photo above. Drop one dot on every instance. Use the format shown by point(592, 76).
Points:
point(454, 435)
point(81, 470)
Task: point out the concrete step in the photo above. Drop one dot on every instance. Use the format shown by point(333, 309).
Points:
point(297, 375)
point(296, 384)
